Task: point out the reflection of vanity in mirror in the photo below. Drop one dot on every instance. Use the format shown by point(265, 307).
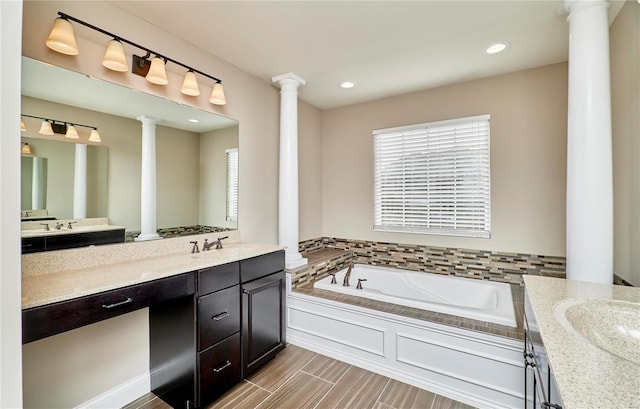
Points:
point(196, 157)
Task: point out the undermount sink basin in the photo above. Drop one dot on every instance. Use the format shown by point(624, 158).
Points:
point(611, 325)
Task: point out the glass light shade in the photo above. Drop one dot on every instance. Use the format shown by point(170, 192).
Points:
point(95, 136)
point(61, 38)
point(190, 85)
point(71, 132)
point(157, 73)
point(26, 149)
point(45, 128)
point(217, 95)
point(23, 127)
point(114, 58)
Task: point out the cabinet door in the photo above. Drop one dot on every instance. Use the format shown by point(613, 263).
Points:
point(263, 326)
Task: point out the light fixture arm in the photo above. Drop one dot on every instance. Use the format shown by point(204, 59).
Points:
point(59, 121)
point(124, 40)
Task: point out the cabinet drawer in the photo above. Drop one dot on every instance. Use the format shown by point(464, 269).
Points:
point(32, 244)
point(218, 316)
point(219, 368)
point(218, 277)
point(261, 266)
point(51, 319)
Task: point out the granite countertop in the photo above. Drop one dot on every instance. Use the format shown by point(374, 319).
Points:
point(587, 376)
point(46, 288)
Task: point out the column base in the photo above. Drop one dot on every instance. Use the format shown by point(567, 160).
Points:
point(295, 261)
point(147, 237)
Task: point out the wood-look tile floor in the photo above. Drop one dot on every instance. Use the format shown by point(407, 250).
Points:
point(301, 379)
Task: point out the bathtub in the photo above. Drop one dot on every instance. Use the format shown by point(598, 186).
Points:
point(479, 300)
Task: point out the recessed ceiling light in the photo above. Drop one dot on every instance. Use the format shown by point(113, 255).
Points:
point(347, 84)
point(195, 121)
point(497, 47)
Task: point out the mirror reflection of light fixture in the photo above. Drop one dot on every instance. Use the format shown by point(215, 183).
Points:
point(157, 73)
point(114, 58)
point(71, 132)
point(26, 149)
point(23, 127)
point(94, 136)
point(62, 39)
point(190, 84)
point(217, 94)
point(45, 128)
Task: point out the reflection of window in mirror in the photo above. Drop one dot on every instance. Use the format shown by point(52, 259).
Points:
point(232, 184)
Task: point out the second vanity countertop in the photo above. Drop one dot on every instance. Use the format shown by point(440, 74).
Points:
point(587, 376)
point(46, 288)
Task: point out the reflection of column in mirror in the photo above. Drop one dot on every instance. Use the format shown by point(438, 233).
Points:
point(148, 187)
point(80, 182)
point(39, 184)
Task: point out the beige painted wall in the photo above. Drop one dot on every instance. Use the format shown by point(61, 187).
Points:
point(252, 101)
point(528, 154)
point(177, 156)
point(213, 176)
point(310, 172)
point(625, 106)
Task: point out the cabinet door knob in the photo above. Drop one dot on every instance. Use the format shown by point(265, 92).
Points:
point(222, 367)
point(220, 316)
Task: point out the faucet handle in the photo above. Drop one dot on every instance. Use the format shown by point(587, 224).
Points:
point(333, 278)
point(359, 286)
point(46, 226)
point(195, 248)
point(58, 226)
point(219, 242)
point(70, 223)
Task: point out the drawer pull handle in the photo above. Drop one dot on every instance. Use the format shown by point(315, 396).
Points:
point(220, 316)
point(223, 367)
point(118, 304)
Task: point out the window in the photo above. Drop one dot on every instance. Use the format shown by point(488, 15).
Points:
point(232, 185)
point(434, 178)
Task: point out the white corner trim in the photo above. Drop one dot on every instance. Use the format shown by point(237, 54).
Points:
point(121, 395)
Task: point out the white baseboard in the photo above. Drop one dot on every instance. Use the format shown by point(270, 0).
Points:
point(121, 395)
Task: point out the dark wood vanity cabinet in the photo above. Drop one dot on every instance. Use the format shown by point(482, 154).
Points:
point(72, 240)
point(202, 347)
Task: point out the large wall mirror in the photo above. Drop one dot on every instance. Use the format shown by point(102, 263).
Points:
point(196, 154)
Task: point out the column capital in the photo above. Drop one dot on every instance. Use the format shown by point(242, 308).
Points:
point(145, 119)
point(288, 79)
point(576, 6)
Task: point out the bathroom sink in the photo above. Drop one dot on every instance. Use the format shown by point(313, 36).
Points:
point(613, 326)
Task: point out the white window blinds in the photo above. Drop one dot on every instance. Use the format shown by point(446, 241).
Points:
point(232, 185)
point(434, 178)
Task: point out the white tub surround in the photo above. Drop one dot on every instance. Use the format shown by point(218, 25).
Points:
point(589, 153)
point(474, 299)
point(590, 333)
point(288, 194)
point(80, 182)
point(148, 198)
point(477, 368)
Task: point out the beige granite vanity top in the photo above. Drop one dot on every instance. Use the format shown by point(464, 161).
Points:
point(587, 375)
point(40, 287)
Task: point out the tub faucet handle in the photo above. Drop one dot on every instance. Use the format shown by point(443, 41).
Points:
point(195, 248)
point(333, 278)
point(359, 286)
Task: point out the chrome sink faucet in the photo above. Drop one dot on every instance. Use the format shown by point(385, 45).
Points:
point(217, 243)
point(345, 282)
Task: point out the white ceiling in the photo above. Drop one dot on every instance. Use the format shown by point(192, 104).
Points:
point(385, 47)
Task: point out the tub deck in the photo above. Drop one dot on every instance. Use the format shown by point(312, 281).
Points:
point(326, 256)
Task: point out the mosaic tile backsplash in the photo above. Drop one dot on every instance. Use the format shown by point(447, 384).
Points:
point(179, 231)
point(476, 264)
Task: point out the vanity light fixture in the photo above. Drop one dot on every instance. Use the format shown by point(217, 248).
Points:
point(71, 132)
point(26, 149)
point(68, 129)
point(23, 127)
point(62, 40)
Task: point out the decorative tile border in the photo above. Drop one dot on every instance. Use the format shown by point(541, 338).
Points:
point(476, 264)
point(179, 231)
point(321, 269)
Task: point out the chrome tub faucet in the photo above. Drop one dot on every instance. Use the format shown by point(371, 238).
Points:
point(345, 282)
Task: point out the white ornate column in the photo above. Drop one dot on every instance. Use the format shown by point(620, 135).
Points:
point(589, 154)
point(288, 195)
point(38, 184)
point(148, 194)
point(80, 182)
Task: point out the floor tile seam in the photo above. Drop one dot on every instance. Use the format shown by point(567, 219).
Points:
point(318, 377)
point(333, 386)
point(380, 394)
point(255, 384)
